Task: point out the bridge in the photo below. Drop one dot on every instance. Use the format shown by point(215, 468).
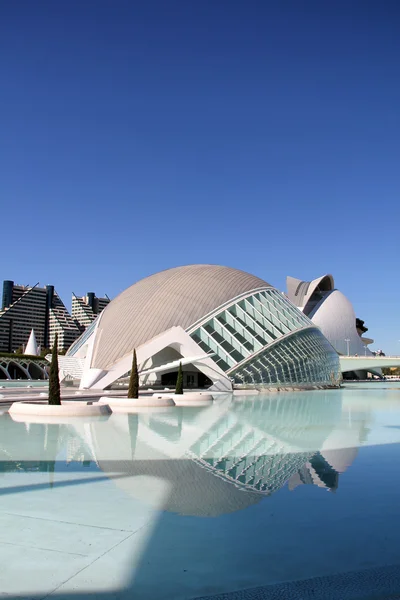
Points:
point(16, 366)
point(367, 363)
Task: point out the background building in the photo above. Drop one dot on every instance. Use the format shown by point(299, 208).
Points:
point(332, 312)
point(39, 308)
point(222, 324)
point(86, 309)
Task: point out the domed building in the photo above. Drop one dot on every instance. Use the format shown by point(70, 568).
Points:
point(334, 314)
point(224, 325)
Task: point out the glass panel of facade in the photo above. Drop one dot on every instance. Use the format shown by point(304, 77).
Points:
point(250, 451)
point(82, 339)
point(249, 331)
point(306, 357)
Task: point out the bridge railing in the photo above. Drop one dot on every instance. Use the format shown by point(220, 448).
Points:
point(373, 357)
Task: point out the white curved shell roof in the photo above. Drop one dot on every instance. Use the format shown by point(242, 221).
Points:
point(300, 291)
point(336, 318)
point(179, 296)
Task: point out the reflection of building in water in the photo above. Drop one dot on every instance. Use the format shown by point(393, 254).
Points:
point(38, 447)
point(336, 454)
point(246, 456)
point(28, 449)
point(270, 442)
point(316, 471)
point(225, 457)
point(77, 451)
point(201, 461)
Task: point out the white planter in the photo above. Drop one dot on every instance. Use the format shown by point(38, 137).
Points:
point(119, 403)
point(68, 411)
point(191, 398)
point(141, 410)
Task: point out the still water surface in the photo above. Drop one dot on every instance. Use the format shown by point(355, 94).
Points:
point(190, 502)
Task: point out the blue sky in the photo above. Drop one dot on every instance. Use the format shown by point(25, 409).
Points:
point(137, 136)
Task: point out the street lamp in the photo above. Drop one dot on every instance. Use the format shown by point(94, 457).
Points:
point(348, 346)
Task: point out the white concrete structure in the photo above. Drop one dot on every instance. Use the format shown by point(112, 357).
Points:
point(190, 398)
point(332, 312)
point(69, 367)
point(32, 348)
point(127, 404)
point(23, 367)
point(222, 324)
point(67, 408)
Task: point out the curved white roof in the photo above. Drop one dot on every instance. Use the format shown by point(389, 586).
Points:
point(179, 296)
point(331, 311)
point(300, 292)
point(336, 318)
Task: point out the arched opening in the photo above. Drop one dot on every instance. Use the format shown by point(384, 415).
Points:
point(16, 371)
point(35, 371)
point(192, 378)
point(323, 288)
point(326, 284)
point(3, 373)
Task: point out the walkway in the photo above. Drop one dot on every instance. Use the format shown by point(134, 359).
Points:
point(366, 363)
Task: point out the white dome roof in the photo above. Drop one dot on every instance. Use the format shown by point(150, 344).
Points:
point(179, 296)
point(336, 318)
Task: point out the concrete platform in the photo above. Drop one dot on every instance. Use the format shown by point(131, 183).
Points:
point(36, 411)
point(191, 398)
point(120, 404)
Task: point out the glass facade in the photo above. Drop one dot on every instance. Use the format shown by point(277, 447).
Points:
point(247, 456)
point(302, 358)
point(82, 339)
point(245, 340)
point(250, 447)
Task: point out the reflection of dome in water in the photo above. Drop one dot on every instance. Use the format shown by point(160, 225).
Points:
point(297, 419)
point(341, 458)
point(219, 462)
point(122, 448)
point(341, 446)
point(191, 489)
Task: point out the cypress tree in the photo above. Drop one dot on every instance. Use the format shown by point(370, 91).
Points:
point(54, 381)
point(133, 390)
point(179, 381)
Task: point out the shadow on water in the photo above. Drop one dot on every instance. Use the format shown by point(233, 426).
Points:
point(215, 463)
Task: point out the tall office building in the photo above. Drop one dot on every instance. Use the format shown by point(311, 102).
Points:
point(86, 309)
point(32, 307)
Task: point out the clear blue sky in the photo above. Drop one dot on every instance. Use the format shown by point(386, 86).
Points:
point(137, 136)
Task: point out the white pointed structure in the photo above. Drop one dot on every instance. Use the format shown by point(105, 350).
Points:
point(32, 347)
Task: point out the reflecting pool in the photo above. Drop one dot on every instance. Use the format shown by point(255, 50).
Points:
point(292, 493)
